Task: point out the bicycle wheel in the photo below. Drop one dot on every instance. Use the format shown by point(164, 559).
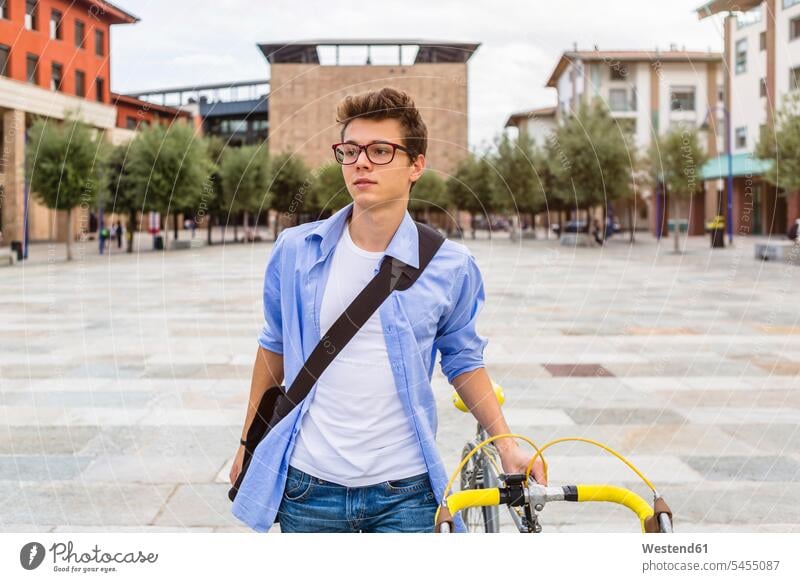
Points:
point(477, 475)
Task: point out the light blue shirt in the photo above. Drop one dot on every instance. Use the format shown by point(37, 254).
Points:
point(438, 312)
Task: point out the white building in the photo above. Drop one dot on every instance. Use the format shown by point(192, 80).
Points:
point(537, 123)
point(649, 91)
point(762, 47)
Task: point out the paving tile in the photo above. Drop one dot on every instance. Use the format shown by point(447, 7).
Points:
point(640, 416)
point(46, 468)
point(734, 468)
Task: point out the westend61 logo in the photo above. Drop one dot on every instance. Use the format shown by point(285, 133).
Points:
point(65, 559)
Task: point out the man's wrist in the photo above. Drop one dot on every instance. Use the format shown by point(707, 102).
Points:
point(505, 444)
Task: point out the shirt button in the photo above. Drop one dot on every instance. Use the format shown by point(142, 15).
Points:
point(388, 329)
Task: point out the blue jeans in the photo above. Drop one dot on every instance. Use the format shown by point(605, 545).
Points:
point(311, 504)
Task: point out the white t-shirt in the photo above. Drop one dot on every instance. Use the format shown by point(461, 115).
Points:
point(355, 431)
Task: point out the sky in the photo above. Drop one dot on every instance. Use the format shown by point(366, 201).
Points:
point(193, 42)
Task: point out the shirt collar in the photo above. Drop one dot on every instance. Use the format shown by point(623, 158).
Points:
point(404, 245)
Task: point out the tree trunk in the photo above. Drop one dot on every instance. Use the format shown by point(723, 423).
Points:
point(275, 227)
point(131, 230)
point(245, 224)
point(175, 224)
point(676, 244)
point(236, 232)
point(69, 234)
point(209, 226)
point(630, 222)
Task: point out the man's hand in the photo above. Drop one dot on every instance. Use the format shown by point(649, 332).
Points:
point(236, 467)
point(515, 460)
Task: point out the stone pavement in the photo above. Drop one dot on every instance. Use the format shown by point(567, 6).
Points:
point(123, 381)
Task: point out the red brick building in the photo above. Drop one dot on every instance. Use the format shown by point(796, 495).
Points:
point(55, 60)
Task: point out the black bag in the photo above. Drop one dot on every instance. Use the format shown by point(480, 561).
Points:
point(277, 402)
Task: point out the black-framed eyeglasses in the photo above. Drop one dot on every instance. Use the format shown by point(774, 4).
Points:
point(378, 152)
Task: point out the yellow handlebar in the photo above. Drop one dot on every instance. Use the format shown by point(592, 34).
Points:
point(604, 493)
point(619, 495)
point(472, 498)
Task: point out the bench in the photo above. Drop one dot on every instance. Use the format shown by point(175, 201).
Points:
point(194, 243)
point(572, 239)
point(8, 258)
point(779, 251)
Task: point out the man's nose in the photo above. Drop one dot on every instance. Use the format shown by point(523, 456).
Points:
point(362, 161)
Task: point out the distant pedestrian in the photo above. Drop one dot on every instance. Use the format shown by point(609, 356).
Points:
point(104, 234)
point(118, 234)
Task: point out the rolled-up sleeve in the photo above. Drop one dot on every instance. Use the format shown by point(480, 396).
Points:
point(271, 336)
point(457, 338)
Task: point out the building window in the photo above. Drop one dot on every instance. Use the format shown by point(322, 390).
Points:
point(682, 99)
point(750, 17)
point(794, 28)
point(31, 22)
point(4, 52)
point(794, 79)
point(4, 9)
point(80, 34)
point(130, 122)
point(32, 69)
point(80, 84)
point(762, 87)
point(56, 76)
point(618, 100)
point(741, 137)
point(741, 55)
point(56, 32)
point(721, 92)
point(762, 41)
point(99, 41)
point(100, 90)
point(788, 3)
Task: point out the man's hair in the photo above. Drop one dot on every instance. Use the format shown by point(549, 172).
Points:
point(388, 103)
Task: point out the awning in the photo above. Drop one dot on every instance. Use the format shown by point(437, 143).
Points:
point(743, 165)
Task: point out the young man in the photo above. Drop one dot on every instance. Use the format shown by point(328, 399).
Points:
point(359, 453)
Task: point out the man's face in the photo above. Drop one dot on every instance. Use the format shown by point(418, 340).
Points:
point(371, 184)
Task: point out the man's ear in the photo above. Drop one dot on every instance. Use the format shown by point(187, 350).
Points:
point(417, 168)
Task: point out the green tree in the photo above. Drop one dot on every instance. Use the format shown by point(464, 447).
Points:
point(170, 165)
point(592, 158)
point(215, 203)
point(65, 162)
point(515, 182)
point(328, 189)
point(781, 145)
point(428, 193)
point(676, 158)
point(290, 186)
point(124, 196)
point(470, 188)
point(246, 181)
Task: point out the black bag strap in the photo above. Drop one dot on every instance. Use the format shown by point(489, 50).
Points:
point(393, 275)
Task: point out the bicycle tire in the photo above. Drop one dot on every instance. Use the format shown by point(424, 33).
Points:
point(476, 474)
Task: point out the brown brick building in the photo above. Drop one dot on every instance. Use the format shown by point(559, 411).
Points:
point(309, 78)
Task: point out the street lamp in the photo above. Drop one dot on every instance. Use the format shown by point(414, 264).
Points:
point(728, 148)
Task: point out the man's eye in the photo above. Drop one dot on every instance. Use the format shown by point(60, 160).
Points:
point(351, 151)
point(382, 151)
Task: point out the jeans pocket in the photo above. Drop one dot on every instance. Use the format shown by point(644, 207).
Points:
point(408, 484)
point(298, 486)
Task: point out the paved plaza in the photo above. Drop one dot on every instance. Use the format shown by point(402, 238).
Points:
point(124, 379)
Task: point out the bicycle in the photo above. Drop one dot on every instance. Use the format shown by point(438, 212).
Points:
point(484, 488)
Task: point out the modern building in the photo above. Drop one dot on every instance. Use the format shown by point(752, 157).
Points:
point(650, 92)
point(762, 50)
point(54, 62)
point(236, 112)
point(309, 78)
point(537, 123)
